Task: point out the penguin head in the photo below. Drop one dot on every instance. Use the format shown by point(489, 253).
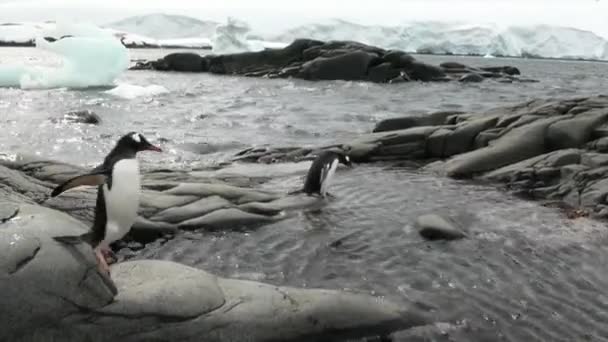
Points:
point(344, 159)
point(137, 142)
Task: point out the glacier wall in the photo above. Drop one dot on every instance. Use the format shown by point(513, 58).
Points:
point(461, 38)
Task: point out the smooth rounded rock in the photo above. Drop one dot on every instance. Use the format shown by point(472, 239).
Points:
point(182, 61)
point(383, 73)
point(452, 65)
point(435, 227)
point(349, 66)
point(168, 290)
point(471, 78)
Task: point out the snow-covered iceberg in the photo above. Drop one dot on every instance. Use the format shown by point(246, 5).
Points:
point(91, 57)
point(235, 36)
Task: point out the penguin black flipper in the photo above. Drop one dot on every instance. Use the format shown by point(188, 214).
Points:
point(75, 239)
point(97, 176)
point(94, 236)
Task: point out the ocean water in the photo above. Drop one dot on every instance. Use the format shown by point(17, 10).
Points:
point(526, 272)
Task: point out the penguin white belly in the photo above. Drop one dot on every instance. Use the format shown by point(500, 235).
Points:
point(122, 200)
point(327, 178)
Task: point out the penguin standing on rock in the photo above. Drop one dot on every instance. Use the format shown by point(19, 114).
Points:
point(118, 183)
point(321, 172)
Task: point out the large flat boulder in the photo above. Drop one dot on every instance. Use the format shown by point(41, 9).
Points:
point(52, 291)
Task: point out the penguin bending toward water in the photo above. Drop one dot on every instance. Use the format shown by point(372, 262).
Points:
point(321, 172)
point(118, 189)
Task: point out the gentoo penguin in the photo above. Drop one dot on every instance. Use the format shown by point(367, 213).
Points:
point(118, 187)
point(322, 170)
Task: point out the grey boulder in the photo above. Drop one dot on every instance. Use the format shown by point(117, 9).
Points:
point(50, 291)
point(435, 227)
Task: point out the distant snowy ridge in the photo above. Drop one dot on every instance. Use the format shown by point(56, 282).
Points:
point(466, 39)
point(171, 31)
point(165, 26)
point(25, 34)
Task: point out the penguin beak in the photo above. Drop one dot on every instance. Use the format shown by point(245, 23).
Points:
point(153, 148)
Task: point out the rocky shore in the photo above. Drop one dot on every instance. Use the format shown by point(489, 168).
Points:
point(334, 60)
point(54, 293)
point(550, 149)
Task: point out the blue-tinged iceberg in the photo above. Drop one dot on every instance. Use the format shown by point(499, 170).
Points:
point(91, 57)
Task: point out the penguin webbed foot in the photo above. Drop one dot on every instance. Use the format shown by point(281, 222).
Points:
point(101, 260)
point(109, 255)
point(329, 195)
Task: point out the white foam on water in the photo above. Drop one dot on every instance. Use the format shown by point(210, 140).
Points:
point(91, 57)
point(131, 91)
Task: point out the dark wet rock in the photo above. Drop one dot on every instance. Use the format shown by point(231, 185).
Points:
point(446, 142)
point(348, 66)
point(383, 73)
point(433, 119)
point(316, 60)
point(600, 145)
point(398, 59)
point(160, 300)
point(81, 116)
point(575, 131)
point(182, 61)
point(518, 144)
point(435, 227)
point(268, 60)
point(452, 65)
point(509, 70)
point(419, 71)
point(471, 77)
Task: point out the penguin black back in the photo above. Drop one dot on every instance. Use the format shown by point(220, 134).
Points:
point(322, 170)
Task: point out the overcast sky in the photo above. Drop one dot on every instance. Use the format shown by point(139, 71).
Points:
point(268, 15)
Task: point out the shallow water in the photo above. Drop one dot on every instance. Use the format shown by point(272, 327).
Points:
point(207, 117)
point(526, 273)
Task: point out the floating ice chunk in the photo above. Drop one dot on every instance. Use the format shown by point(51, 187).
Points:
point(234, 36)
point(131, 91)
point(91, 58)
point(231, 37)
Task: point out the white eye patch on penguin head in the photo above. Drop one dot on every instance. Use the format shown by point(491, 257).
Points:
point(345, 159)
point(136, 137)
point(136, 141)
